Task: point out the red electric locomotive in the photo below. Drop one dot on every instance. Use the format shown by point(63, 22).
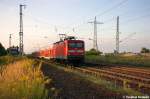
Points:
point(67, 49)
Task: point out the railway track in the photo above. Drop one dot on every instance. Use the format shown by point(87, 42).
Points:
point(137, 79)
point(120, 79)
point(129, 71)
point(120, 74)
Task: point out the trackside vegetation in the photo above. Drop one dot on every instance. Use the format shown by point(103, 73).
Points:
point(2, 50)
point(141, 59)
point(22, 79)
point(137, 60)
point(9, 59)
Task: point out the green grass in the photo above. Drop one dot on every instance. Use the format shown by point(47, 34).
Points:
point(4, 60)
point(120, 60)
point(23, 79)
point(9, 59)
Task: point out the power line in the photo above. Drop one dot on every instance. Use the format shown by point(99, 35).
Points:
point(130, 20)
point(106, 11)
point(137, 18)
point(129, 36)
point(112, 8)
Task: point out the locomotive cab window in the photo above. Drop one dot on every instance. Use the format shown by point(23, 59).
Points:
point(75, 45)
point(72, 45)
point(79, 45)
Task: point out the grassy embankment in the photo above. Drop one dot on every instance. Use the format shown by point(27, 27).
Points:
point(141, 61)
point(22, 79)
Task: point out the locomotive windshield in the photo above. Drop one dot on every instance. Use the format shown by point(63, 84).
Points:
point(79, 45)
point(75, 45)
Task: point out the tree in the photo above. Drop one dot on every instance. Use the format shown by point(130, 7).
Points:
point(2, 50)
point(93, 52)
point(145, 50)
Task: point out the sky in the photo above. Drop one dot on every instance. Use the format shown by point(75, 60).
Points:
point(45, 19)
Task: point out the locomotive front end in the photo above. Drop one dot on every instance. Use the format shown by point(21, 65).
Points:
point(75, 51)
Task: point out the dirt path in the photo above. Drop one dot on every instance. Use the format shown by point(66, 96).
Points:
point(74, 87)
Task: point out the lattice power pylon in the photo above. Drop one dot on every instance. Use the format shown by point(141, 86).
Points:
point(95, 22)
point(21, 46)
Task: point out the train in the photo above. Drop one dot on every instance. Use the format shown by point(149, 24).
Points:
point(13, 50)
point(68, 49)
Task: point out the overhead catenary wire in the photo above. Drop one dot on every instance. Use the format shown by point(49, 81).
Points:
point(136, 18)
point(102, 13)
point(126, 21)
point(112, 8)
point(112, 19)
point(106, 11)
point(129, 36)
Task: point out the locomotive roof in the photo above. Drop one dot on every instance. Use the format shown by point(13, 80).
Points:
point(66, 40)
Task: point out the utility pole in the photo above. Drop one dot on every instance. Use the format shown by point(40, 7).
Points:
point(117, 36)
point(10, 40)
point(21, 46)
point(95, 22)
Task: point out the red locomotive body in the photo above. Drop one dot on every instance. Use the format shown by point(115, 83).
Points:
point(46, 53)
point(69, 49)
point(75, 50)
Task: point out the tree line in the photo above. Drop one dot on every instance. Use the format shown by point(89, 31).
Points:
point(94, 52)
point(145, 50)
point(3, 51)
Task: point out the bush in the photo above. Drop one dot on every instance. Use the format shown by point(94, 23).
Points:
point(2, 50)
point(93, 52)
point(145, 50)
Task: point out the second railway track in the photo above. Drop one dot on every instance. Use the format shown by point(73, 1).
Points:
point(120, 79)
